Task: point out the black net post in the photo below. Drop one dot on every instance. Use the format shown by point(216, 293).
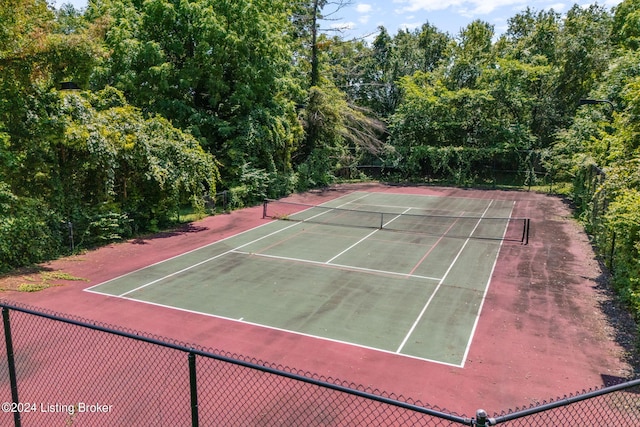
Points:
point(193, 385)
point(12, 366)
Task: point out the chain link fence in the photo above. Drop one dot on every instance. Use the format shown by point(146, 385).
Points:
point(62, 371)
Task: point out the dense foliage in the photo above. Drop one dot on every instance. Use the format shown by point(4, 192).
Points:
point(176, 99)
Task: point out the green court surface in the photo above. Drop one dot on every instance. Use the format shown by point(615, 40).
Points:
point(413, 287)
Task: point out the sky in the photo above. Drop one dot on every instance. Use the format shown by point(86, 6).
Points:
point(361, 18)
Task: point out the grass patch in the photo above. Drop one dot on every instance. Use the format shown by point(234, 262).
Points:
point(60, 275)
point(45, 280)
point(187, 214)
point(34, 287)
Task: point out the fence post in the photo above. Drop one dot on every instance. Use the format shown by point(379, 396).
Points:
point(193, 383)
point(482, 420)
point(612, 251)
point(12, 365)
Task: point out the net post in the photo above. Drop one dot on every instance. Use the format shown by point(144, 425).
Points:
point(381, 220)
point(264, 208)
point(526, 230)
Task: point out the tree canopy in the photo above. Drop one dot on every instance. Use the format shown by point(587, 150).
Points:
point(114, 117)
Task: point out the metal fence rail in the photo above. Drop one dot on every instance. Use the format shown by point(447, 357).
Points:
point(616, 405)
point(72, 372)
point(81, 373)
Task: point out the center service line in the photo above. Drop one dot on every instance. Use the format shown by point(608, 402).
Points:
point(366, 237)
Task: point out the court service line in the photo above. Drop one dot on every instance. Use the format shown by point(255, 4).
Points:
point(90, 288)
point(341, 266)
point(435, 291)
point(450, 212)
point(175, 273)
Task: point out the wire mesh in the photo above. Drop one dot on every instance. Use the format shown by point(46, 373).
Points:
point(73, 375)
point(609, 406)
point(277, 400)
point(72, 372)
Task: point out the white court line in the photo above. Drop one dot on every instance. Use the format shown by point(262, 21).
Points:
point(175, 273)
point(212, 258)
point(274, 328)
point(90, 288)
point(354, 245)
point(366, 237)
point(484, 296)
point(433, 294)
point(342, 266)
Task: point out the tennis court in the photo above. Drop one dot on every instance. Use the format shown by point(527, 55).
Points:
point(398, 273)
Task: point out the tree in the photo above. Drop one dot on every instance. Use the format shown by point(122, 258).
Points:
point(338, 133)
point(225, 80)
point(531, 36)
point(36, 58)
point(626, 24)
point(584, 47)
point(391, 58)
point(471, 55)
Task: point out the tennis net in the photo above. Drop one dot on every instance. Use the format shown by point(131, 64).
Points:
point(418, 221)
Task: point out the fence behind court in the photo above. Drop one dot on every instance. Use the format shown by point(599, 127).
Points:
point(69, 371)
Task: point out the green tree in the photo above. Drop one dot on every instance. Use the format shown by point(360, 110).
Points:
point(626, 24)
point(226, 80)
point(471, 55)
point(391, 58)
point(114, 162)
point(532, 37)
point(600, 152)
point(585, 50)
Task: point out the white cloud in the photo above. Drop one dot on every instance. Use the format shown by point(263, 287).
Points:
point(363, 8)
point(491, 5)
point(410, 25)
point(465, 7)
point(426, 5)
point(558, 7)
